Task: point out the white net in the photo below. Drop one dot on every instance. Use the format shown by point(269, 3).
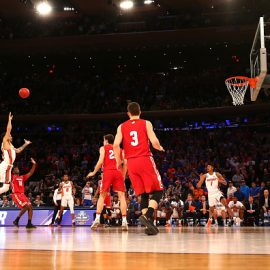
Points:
point(237, 87)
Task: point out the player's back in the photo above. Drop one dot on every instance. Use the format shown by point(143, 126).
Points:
point(109, 162)
point(135, 139)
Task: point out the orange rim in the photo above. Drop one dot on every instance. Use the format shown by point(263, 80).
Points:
point(251, 81)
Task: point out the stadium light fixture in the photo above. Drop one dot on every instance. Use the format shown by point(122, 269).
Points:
point(148, 2)
point(126, 4)
point(44, 8)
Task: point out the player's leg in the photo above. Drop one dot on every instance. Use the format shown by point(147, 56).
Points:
point(71, 209)
point(30, 216)
point(211, 213)
point(229, 210)
point(5, 177)
point(100, 206)
point(60, 213)
point(223, 215)
point(55, 211)
point(123, 208)
point(18, 199)
point(119, 187)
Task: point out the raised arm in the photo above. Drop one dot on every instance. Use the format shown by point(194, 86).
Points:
point(116, 147)
point(20, 149)
point(221, 179)
point(99, 163)
point(152, 136)
point(8, 130)
point(31, 172)
point(202, 179)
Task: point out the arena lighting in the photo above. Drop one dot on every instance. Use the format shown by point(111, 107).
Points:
point(43, 8)
point(148, 2)
point(126, 4)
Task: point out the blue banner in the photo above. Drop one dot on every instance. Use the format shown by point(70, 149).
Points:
point(43, 217)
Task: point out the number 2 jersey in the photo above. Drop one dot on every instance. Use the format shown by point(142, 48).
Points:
point(17, 183)
point(135, 139)
point(109, 162)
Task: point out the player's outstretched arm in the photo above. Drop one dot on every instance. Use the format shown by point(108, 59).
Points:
point(99, 163)
point(31, 172)
point(152, 136)
point(221, 179)
point(202, 179)
point(9, 128)
point(20, 149)
point(116, 147)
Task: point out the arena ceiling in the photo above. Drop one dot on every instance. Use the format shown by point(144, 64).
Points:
point(17, 8)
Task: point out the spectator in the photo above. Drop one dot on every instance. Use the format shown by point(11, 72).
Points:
point(265, 205)
point(239, 194)
point(38, 202)
point(6, 203)
point(244, 189)
point(87, 193)
point(189, 210)
point(231, 189)
point(203, 209)
point(251, 213)
point(254, 191)
point(237, 178)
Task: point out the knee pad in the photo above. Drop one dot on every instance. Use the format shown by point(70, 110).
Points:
point(157, 195)
point(144, 200)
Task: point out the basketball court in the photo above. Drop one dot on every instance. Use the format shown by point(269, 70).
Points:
point(172, 248)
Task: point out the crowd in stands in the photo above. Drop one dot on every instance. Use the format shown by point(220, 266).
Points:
point(242, 155)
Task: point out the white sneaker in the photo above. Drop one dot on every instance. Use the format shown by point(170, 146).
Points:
point(95, 224)
point(124, 226)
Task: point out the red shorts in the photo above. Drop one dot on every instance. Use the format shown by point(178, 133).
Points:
point(112, 178)
point(20, 199)
point(144, 175)
point(107, 201)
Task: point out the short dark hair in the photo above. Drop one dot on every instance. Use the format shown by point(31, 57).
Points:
point(134, 108)
point(109, 138)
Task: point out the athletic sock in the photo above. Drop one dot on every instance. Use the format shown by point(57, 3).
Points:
point(224, 221)
point(17, 219)
point(29, 222)
point(97, 217)
point(150, 212)
point(124, 218)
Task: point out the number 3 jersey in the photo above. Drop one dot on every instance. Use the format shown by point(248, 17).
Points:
point(135, 139)
point(17, 183)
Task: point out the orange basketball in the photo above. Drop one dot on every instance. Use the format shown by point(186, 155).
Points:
point(24, 93)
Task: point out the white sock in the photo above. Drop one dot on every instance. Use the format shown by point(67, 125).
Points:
point(216, 221)
point(224, 221)
point(124, 219)
point(97, 217)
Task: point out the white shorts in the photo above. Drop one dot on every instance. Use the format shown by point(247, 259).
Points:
point(220, 210)
point(5, 172)
point(68, 201)
point(214, 199)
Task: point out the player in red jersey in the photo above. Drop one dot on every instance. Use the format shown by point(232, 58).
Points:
point(8, 156)
point(111, 177)
point(18, 196)
point(145, 178)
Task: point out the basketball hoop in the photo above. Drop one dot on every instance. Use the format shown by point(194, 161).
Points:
point(237, 87)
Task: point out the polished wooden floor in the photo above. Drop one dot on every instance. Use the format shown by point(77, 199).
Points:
point(174, 248)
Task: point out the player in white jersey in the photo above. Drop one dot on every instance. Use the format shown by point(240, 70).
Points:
point(68, 191)
point(212, 180)
point(8, 156)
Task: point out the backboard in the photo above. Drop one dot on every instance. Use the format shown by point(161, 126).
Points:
point(258, 58)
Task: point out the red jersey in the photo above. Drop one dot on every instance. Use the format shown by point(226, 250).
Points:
point(135, 139)
point(109, 162)
point(17, 183)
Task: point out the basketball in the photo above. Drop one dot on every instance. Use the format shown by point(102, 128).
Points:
point(24, 93)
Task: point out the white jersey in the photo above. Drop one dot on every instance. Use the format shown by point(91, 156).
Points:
point(67, 189)
point(211, 182)
point(8, 156)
